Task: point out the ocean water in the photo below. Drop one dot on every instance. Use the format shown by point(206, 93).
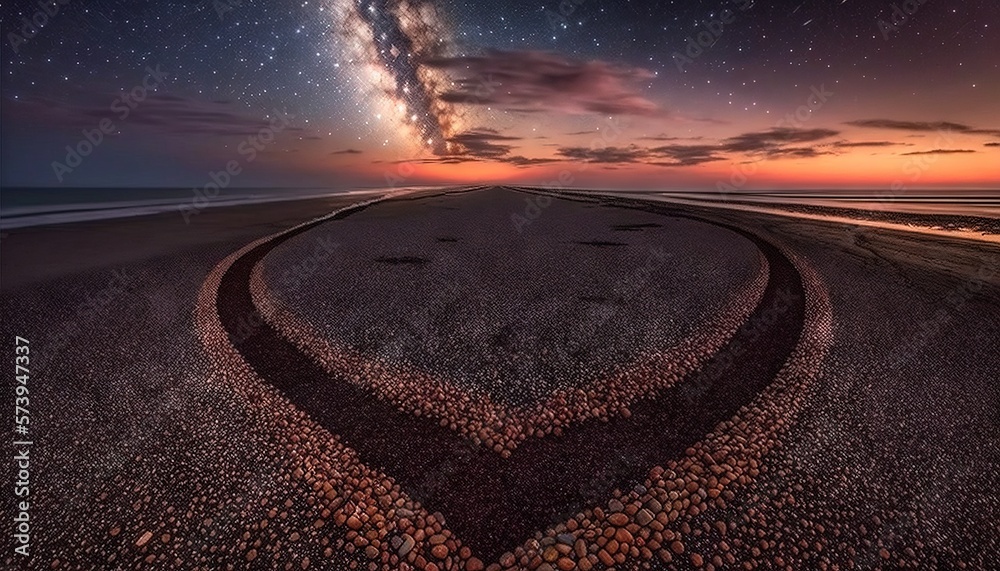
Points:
point(984, 203)
point(22, 207)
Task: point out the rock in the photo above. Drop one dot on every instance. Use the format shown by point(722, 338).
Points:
point(406, 546)
point(550, 554)
point(354, 523)
point(615, 506)
point(643, 517)
point(440, 551)
point(565, 564)
point(618, 519)
point(144, 539)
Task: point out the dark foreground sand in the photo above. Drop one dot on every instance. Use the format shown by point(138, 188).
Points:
point(842, 413)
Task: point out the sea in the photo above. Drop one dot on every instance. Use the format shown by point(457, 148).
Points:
point(24, 207)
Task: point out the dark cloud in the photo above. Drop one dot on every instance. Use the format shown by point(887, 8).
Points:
point(480, 143)
point(860, 144)
point(532, 81)
point(165, 113)
point(686, 155)
point(797, 152)
point(922, 126)
point(770, 141)
point(669, 155)
point(520, 161)
point(660, 138)
point(992, 145)
point(185, 116)
point(347, 152)
point(775, 143)
point(940, 152)
point(610, 155)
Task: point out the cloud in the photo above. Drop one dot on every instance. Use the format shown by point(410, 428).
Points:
point(165, 113)
point(347, 152)
point(797, 152)
point(770, 141)
point(186, 116)
point(922, 126)
point(940, 152)
point(608, 155)
point(858, 144)
point(992, 145)
point(480, 143)
point(661, 138)
point(533, 81)
point(670, 155)
point(520, 161)
point(686, 155)
point(774, 143)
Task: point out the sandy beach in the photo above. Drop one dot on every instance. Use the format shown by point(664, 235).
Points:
point(505, 378)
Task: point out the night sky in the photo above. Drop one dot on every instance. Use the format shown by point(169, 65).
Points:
point(703, 95)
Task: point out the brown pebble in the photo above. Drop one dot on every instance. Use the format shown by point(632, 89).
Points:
point(565, 564)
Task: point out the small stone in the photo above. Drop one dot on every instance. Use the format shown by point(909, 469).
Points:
point(565, 564)
point(440, 551)
point(618, 519)
point(143, 539)
point(550, 554)
point(354, 523)
point(615, 506)
point(406, 546)
point(643, 517)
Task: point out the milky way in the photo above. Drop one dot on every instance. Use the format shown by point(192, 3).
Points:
point(388, 40)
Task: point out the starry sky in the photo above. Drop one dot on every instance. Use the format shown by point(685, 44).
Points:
point(731, 95)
